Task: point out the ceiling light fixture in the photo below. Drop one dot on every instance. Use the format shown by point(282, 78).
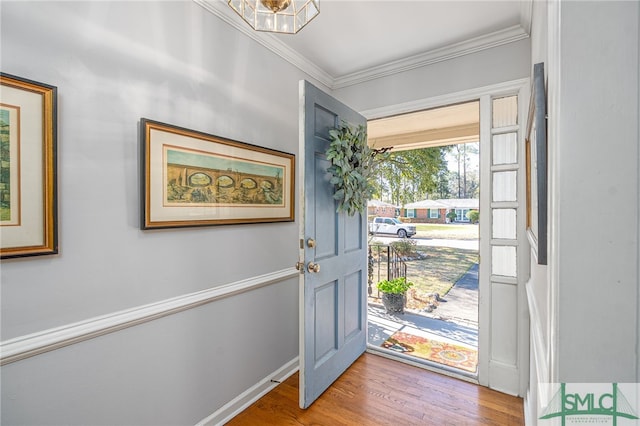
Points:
point(277, 16)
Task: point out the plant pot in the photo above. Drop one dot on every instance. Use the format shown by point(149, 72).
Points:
point(394, 302)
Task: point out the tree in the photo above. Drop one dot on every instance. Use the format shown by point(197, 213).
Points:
point(442, 188)
point(464, 181)
point(408, 176)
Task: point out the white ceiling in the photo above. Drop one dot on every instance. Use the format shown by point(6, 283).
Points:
point(356, 40)
point(352, 41)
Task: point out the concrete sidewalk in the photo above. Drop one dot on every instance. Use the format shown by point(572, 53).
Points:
point(454, 320)
point(382, 325)
point(460, 305)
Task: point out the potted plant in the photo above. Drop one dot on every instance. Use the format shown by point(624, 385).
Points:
point(394, 294)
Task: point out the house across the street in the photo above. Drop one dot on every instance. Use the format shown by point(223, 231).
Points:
point(435, 211)
point(380, 208)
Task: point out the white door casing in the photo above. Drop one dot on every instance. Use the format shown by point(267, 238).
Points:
point(504, 269)
point(503, 335)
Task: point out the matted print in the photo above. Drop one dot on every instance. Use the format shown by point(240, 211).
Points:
point(196, 179)
point(28, 205)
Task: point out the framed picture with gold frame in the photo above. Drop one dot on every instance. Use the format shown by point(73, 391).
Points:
point(190, 178)
point(28, 187)
point(536, 166)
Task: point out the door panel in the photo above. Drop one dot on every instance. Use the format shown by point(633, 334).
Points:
point(326, 320)
point(324, 214)
point(332, 298)
point(352, 295)
point(503, 333)
point(353, 233)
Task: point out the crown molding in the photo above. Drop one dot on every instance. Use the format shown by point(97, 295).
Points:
point(220, 9)
point(526, 15)
point(477, 44)
point(509, 35)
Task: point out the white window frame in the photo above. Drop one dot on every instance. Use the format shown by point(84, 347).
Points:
point(461, 215)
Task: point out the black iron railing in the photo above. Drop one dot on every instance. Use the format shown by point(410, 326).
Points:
point(385, 263)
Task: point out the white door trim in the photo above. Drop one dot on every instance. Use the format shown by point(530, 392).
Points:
point(512, 376)
point(518, 87)
point(445, 100)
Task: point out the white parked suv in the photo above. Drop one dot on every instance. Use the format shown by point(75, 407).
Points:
point(390, 225)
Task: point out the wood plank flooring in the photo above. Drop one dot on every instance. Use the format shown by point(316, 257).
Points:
point(379, 391)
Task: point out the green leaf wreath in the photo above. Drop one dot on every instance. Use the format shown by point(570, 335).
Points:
point(352, 168)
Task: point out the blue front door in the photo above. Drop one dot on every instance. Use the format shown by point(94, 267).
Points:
point(333, 297)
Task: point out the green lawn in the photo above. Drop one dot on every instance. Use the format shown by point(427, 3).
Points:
point(447, 231)
point(440, 270)
point(436, 272)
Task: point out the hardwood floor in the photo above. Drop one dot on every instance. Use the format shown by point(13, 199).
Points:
point(380, 391)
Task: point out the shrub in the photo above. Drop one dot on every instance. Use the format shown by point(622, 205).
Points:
point(473, 216)
point(395, 286)
point(404, 247)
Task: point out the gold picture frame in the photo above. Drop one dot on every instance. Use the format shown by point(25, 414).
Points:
point(28, 171)
point(190, 178)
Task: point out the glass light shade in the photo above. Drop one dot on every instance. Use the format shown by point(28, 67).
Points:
point(277, 16)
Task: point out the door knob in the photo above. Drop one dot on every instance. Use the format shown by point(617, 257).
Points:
point(313, 267)
point(311, 243)
point(300, 266)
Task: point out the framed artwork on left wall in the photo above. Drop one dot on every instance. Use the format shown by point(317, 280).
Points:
point(190, 178)
point(28, 168)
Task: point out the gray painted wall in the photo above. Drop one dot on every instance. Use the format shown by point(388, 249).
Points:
point(172, 61)
point(596, 250)
point(588, 297)
point(492, 66)
point(113, 63)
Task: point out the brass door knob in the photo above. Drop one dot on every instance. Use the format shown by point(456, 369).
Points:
point(313, 267)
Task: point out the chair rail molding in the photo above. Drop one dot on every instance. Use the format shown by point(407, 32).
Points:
point(26, 346)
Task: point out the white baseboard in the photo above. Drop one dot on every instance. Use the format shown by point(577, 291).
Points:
point(251, 395)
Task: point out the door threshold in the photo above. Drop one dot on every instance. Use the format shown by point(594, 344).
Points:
point(425, 364)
